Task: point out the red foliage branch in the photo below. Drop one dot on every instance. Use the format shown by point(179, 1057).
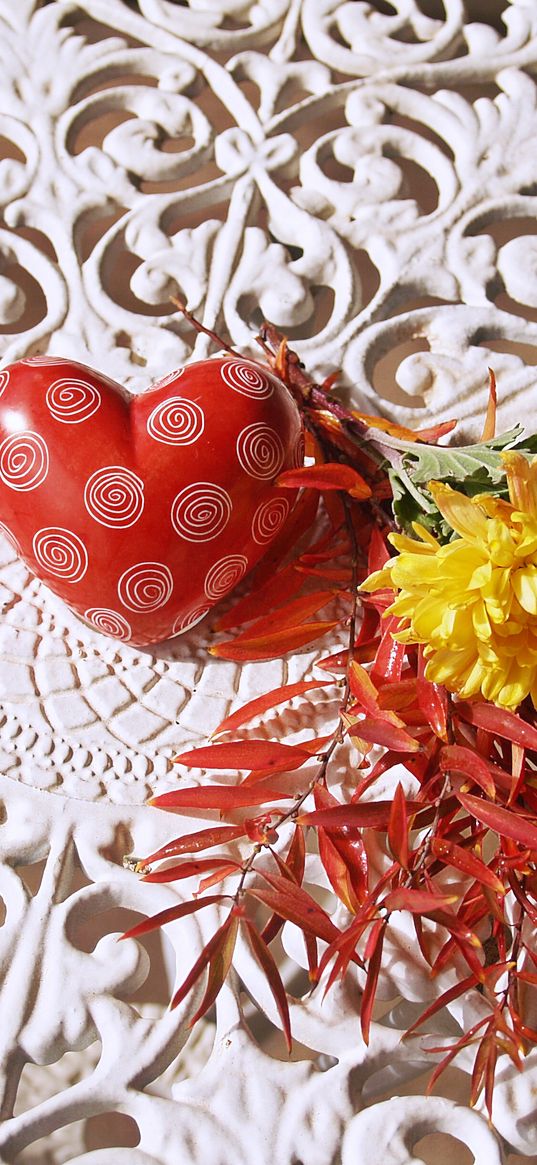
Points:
point(461, 854)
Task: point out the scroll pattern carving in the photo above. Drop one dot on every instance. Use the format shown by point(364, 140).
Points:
point(364, 176)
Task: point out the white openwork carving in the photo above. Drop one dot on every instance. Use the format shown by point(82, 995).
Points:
point(363, 175)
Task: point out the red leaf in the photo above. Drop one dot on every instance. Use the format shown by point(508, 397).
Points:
point(276, 589)
point(398, 828)
point(292, 614)
point(502, 821)
point(366, 814)
point(343, 855)
point(432, 699)
point(370, 987)
point(454, 855)
point(293, 868)
point(219, 965)
point(169, 915)
point(384, 733)
point(212, 948)
point(270, 646)
point(331, 475)
point(378, 553)
point(270, 969)
point(447, 997)
point(489, 427)
point(245, 754)
point(388, 662)
point(264, 703)
point(288, 909)
point(456, 758)
point(189, 869)
point(195, 842)
point(417, 901)
point(500, 722)
point(218, 876)
point(218, 797)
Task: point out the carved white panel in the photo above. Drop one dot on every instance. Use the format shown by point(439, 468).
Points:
point(364, 175)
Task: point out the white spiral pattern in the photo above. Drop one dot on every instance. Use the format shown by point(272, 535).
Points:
point(260, 451)
point(269, 519)
point(72, 401)
point(61, 553)
point(169, 379)
point(4, 380)
point(224, 575)
point(200, 512)
point(185, 622)
point(109, 622)
point(114, 496)
point(24, 460)
point(146, 586)
point(44, 361)
point(247, 379)
point(176, 422)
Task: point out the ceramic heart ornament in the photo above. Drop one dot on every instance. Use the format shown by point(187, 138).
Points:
point(141, 512)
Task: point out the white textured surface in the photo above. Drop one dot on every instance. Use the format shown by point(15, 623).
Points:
point(364, 175)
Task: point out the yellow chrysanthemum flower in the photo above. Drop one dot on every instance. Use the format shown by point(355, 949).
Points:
point(473, 601)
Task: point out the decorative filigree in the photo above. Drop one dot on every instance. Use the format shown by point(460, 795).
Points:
point(364, 176)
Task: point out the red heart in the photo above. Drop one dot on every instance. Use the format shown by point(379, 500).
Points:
point(142, 511)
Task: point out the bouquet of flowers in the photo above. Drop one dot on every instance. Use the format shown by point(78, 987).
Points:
point(425, 557)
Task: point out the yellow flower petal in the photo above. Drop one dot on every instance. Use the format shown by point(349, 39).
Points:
point(524, 583)
point(522, 481)
point(462, 514)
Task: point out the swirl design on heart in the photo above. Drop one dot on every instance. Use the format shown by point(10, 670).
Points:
point(114, 496)
point(247, 379)
point(43, 361)
point(72, 401)
point(224, 575)
point(4, 380)
point(200, 512)
point(260, 451)
point(168, 379)
point(269, 519)
point(185, 622)
point(24, 460)
point(60, 553)
point(109, 622)
point(176, 422)
point(145, 586)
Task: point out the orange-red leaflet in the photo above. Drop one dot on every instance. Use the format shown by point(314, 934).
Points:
point(367, 814)
point(218, 797)
point(268, 965)
point(293, 868)
point(398, 828)
point(331, 475)
point(190, 869)
point(370, 986)
point(287, 907)
point(500, 722)
point(383, 732)
point(217, 876)
point(195, 842)
point(245, 754)
point(264, 703)
point(417, 901)
point(262, 647)
point(454, 855)
point(457, 758)
point(447, 997)
point(218, 954)
point(276, 589)
point(290, 615)
point(170, 915)
point(343, 856)
point(502, 821)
